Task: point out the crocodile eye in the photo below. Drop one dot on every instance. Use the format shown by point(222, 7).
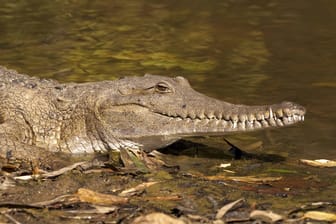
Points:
point(162, 87)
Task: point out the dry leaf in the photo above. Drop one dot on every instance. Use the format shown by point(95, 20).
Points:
point(52, 173)
point(319, 162)
point(95, 210)
point(163, 198)
point(222, 211)
point(86, 195)
point(320, 216)
point(157, 218)
point(266, 216)
point(137, 189)
point(246, 179)
point(224, 165)
point(229, 171)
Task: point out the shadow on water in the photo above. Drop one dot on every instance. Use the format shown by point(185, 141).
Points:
point(200, 150)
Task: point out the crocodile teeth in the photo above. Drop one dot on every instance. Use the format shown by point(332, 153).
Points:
point(295, 117)
point(184, 115)
point(219, 115)
point(279, 113)
point(264, 123)
point(267, 114)
point(234, 118)
point(285, 120)
point(200, 116)
point(210, 115)
point(172, 114)
point(259, 116)
point(192, 115)
point(223, 123)
point(251, 117)
point(242, 118)
point(279, 122)
point(234, 124)
point(239, 119)
point(249, 124)
point(288, 112)
point(241, 125)
point(257, 124)
point(272, 122)
point(227, 117)
point(230, 124)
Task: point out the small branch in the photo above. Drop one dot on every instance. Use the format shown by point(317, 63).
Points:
point(9, 217)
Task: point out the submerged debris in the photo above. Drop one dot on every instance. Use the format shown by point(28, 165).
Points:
point(145, 191)
point(55, 173)
point(319, 162)
point(86, 195)
point(136, 190)
point(245, 179)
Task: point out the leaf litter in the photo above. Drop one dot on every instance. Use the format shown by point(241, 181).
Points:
point(87, 204)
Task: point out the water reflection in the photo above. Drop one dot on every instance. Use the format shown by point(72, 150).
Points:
point(240, 51)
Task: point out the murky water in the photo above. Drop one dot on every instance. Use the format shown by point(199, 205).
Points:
point(250, 52)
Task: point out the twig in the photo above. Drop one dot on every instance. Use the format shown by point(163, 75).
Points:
point(9, 217)
point(51, 174)
point(61, 198)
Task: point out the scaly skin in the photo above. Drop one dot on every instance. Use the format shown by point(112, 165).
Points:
point(149, 112)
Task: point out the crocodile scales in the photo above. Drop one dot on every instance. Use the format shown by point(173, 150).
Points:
point(148, 112)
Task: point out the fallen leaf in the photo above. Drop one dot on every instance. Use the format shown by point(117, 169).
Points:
point(157, 218)
point(86, 195)
point(52, 173)
point(137, 189)
point(58, 200)
point(319, 162)
point(222, 211)
point(224, 165)
point(246, 179)
point(320, 216)
point(265, 216)
point(95, 210)
point(163, 198)
point(228, 171)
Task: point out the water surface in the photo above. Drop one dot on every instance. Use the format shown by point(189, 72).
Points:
point(249, 52)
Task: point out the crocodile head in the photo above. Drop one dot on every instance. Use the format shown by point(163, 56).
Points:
point(154, 111)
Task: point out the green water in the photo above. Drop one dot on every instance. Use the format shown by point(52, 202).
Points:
point(249, 52)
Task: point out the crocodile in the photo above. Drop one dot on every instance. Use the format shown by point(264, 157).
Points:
point(145, 113)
